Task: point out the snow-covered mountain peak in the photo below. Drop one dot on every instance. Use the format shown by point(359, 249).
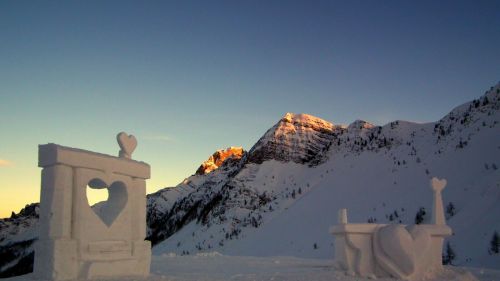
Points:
point(359, 125)
point(494, 91)
point(306, 120)
point(218, 158)
point(296, 137)
point(490, 100)
point(467, 119)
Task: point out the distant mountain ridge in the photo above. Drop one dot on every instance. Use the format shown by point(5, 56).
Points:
point(280, 197)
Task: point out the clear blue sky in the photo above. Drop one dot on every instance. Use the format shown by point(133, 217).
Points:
point(190, 77)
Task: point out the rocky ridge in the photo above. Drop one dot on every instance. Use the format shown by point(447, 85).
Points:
point(296, 137)
point(216, 159)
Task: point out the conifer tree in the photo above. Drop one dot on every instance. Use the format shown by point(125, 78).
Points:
point(419, 217)
point(449, 255)
point(494, 244)
point(450, 210)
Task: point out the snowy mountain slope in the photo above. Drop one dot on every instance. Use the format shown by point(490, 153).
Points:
point(17, 236)
point(170, 209)
point(380, 173)
point(370, 186)
point(281, 197)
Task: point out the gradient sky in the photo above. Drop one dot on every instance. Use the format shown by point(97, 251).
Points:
point(190, 77)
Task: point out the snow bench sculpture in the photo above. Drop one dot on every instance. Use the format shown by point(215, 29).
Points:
point(78, 241)
point(379, 250)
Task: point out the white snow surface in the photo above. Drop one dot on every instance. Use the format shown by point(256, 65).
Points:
point(212, 266)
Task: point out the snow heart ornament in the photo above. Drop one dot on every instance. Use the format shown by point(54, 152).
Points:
point(398, 250)
point(127, 144)
point(109, 210)
point(438, 184)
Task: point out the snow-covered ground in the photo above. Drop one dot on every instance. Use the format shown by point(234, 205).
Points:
point(214, 266)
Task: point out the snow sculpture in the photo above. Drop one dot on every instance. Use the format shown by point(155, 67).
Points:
point(78, 241)
point(405, 252)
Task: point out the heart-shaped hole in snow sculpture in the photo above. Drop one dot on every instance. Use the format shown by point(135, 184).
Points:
point(109, 209)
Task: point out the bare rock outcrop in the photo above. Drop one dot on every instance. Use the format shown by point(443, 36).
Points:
point(216, 160)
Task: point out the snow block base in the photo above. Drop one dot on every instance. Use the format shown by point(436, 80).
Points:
point(133, 262)
point(60, 261)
